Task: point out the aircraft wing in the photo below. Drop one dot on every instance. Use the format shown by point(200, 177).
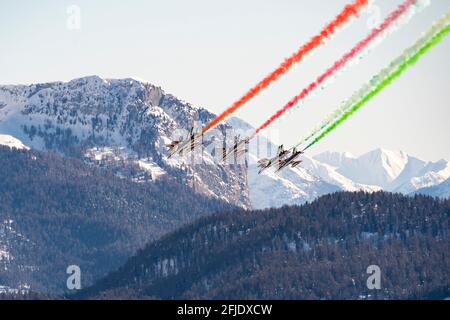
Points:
point(282, 165)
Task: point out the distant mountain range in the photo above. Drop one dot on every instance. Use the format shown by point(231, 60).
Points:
point(441, 190)
point(376, 170)
point(109, 121)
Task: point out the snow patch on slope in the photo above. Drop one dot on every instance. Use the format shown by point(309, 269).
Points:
point(152, 168)
point(388, 170)
point(292, 186)
point(429, 179)
point(330, 175)
point(10, 141)
point(441, 190)
point(379, 167)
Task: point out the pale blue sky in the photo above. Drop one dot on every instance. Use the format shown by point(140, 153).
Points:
point(210, 52)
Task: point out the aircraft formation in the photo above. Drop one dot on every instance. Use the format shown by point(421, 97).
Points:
point(291, 157)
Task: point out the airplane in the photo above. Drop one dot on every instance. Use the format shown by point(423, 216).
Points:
point(239, 148)
point(189, 144)
point(264, 164)
point(290, 161)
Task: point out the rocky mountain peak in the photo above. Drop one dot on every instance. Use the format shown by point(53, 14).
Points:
point(112, 121)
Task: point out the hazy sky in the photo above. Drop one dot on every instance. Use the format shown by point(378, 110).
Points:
point(210, 52)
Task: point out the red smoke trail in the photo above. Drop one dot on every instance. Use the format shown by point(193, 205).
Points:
point(340, 63)
point(348, 12)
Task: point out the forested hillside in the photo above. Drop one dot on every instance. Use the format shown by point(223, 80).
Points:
point(55, 212)
point(317, 251)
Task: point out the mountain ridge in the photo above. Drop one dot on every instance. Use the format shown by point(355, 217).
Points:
point(108, 121)
point(133, 119)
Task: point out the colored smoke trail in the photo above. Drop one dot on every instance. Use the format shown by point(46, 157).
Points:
point(338, 65)
point(405, 19)
point(375, 80)
point(383, 84)
point(351, 10)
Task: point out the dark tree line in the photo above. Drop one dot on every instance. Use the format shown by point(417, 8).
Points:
point(65, 212)
point(317, 251)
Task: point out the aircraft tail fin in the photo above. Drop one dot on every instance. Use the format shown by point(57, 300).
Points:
point(280, 149)
point(224, 154)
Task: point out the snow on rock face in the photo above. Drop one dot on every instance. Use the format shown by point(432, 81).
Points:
point(76, 117)
point(388, 170)
point(332, 176)
point(152, 168)
point(125, 124)
point(379, 167)
point(332, 171)
point(441, 190)
point(436, 175)
point(292, 186)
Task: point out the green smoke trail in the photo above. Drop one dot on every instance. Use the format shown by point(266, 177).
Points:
point(375, 80)
point(405, 65)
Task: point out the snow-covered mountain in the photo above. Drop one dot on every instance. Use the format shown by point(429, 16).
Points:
point(393, 171)
point(431, 174)
point(327, 172)
point(289, 187)
point(123, 124)
point(379, 167)
point(292, 185)
point(441, 190)
point(377, 170)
